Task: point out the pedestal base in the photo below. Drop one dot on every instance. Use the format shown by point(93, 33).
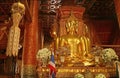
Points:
point(69, 72)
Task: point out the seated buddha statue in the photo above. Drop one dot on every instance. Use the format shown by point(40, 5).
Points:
point(77, 44)
point(71, 40)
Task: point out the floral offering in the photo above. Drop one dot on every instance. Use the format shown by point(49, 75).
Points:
point(109, 55)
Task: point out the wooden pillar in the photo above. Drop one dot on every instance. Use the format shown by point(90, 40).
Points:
point(30, 46)
point(117, 8)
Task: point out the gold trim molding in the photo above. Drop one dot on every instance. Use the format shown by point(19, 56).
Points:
point(29, 71)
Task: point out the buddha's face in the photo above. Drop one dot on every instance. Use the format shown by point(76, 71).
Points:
point(72, 26)
point(72, 29)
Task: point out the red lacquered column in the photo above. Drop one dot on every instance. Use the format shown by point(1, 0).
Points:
point(30, 46)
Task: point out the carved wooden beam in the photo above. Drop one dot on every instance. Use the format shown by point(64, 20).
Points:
point(90, 4)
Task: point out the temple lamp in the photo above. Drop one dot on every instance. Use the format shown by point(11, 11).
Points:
point(18, 10)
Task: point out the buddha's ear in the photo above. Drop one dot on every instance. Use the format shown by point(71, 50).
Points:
point(86, 28)
point(67, 25)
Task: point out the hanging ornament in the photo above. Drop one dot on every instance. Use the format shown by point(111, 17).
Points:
point(53, 2)
point(18, 10)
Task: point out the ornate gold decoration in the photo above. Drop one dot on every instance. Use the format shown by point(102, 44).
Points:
point(69, 72)
point(18, 10)
point(88, 74)
point(29, 71)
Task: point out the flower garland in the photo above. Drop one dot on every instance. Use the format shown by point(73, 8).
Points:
point(109, 55)
point(43, 54)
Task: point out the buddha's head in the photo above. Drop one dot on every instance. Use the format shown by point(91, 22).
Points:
point(72, 23)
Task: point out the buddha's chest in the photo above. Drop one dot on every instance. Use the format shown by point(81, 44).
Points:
point(73, 41)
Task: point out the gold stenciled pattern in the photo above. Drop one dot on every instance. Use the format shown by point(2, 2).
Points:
point(29, 70)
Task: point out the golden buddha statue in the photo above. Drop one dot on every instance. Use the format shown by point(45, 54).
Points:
point(78, 45)
point(71, 40)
